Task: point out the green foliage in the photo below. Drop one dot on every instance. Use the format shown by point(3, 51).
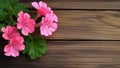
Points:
point(3, 4)
point(19, 7)
point(9, 10)
point(2, 15)
point(1, 25)
point(35, 47)
point(14, 1)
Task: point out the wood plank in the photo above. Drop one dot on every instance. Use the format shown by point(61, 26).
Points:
point(87, 25)
point(79, 4)
point(72, 54)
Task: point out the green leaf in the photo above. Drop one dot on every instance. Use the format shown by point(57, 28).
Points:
point(35, 47)
point(20, 7)
point(14, 1)
point(2, 4)
point(9, 10)
point(2, 15)
point(1, 25)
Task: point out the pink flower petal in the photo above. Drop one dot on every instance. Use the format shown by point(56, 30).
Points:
point(20, 47)
point(48, 24)
point(55, 18)
point(32, 24)
point(26, 16)
point(35, 5)
point(15, 45)
point(48, 31)
point(15, 53)
point(43, 31)
point(17, 40)
point(19, 26)
point(42, 8)
point(53, 27)
point(3, 29)
point(7, 48)
point(25, 32)
point(5, 36)
point(20, 13)
point(10, 32)
point(26, 24)
point(10, 51)
point(42, 4)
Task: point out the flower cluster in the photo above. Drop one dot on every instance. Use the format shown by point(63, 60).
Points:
point(16, 41)
point(48, 23)
point(25, 26)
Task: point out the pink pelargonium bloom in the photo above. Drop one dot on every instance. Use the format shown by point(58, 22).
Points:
point(15, 45)
point(25, 23)
point(9, 32)
point(48, 24)
point(42, 8)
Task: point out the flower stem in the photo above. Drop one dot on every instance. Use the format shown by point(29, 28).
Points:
point(37, 16)
point(37, 25)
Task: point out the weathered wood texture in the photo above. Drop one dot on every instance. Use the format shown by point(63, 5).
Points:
point(73, 54)
point(87, 25)
point(80, 4)
point(79, 21)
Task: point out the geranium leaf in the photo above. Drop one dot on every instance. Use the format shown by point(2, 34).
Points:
point(20, 7)
point(2, 4)
point(14, 1)
point(1, 27)
point(35, 48)
point(2, 15)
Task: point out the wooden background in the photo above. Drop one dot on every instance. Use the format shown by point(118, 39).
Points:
point(88, 36)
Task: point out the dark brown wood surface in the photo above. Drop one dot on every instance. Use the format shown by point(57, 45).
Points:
point(87, 25)
point(88, 36)
point(72, 54)
point(79, 4)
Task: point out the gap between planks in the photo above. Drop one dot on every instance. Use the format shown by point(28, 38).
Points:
point(74, 54)
point(79, 4)
point(86, 25)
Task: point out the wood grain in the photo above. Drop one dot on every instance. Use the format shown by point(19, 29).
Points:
point(68, 47)
point(73, 54)
point(79, 4)
point(87, 25)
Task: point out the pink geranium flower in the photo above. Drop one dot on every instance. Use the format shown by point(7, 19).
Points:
point(25, 23)
point(15, 45)
point(9, 32)
point(42, 8)
point(48, 24)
